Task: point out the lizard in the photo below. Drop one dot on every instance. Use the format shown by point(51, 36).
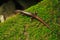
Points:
point(33, 16)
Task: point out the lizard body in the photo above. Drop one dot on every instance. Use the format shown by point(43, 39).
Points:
point(32, 15)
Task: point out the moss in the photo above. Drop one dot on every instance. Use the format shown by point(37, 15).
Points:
point(13, 28)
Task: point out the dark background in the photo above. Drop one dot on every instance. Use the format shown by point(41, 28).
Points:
point(19, 6)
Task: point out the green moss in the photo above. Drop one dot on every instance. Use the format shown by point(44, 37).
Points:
point(13, 28)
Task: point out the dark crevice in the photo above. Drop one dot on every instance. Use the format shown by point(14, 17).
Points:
point(17, 5)
point(27, 2)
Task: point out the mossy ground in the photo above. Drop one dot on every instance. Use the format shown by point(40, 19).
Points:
point(13, 28)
